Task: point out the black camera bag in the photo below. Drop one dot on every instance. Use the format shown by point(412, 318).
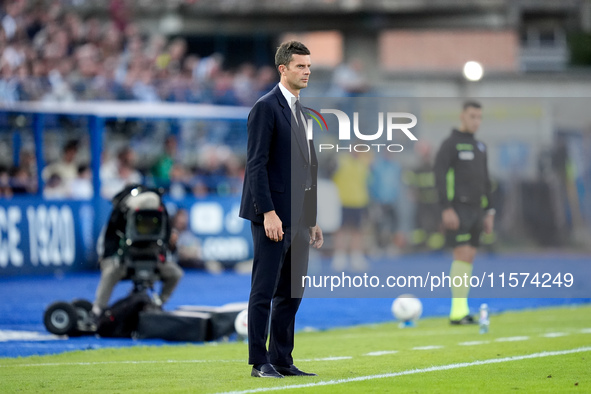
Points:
point(121, 319)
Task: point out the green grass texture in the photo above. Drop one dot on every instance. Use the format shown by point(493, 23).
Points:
point(541, 350)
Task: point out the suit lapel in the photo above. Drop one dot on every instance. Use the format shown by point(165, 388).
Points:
point(313, 159)
point(284, 104)
point(300, 135)
point(297, 133)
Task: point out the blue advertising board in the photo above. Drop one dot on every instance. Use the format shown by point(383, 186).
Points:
point(39, 236)
point(224, 235)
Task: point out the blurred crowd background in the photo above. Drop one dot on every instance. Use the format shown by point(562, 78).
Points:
point(221, 53)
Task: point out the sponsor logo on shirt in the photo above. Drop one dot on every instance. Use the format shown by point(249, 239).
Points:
point(466, 155)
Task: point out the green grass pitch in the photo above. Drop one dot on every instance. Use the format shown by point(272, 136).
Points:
point(528, 351)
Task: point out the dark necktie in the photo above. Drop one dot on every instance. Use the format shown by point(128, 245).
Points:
point(299, 115)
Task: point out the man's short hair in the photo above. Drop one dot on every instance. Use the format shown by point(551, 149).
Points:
point(287, 50)
point(471, 104)
point(71, 145)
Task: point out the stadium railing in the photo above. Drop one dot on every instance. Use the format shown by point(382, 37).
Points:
point(42, 236)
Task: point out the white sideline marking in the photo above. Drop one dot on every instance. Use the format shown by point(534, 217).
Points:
point(554, 334)
point(91, 363)
point(328, 358)
point(586, 331)
point(414, 371)
point(512, 339)
point(427, 347)
point(473, 343)
point(14, 335)
point(381, 353)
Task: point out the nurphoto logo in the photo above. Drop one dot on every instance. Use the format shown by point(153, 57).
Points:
point(393, 124)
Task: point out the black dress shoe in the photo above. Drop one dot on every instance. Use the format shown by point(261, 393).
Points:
point(292, 370)
point(463, 321)
point(265, 371)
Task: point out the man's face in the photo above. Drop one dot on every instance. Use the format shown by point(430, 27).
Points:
point(182, 221)
point(70, 155)
point(297, 72)
point(471, 118)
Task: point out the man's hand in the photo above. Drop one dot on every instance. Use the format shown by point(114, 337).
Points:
point(450, 219)
point(273, 226)
point(316, 237)
point(489, 223)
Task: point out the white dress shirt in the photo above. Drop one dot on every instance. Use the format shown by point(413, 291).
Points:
point(291, 100)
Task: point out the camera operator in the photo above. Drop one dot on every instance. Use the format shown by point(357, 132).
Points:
point(110, 257)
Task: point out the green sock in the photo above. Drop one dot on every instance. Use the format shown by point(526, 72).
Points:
point(459, 301)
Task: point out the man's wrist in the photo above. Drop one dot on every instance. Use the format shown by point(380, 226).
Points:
point(269, 213)
point(491, 211)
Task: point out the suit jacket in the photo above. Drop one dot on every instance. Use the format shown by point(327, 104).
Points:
point(277, 165)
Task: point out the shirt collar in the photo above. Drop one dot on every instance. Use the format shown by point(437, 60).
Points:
point(289, 97)
point(463, 134)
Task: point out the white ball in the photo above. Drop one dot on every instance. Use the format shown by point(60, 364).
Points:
point(241, 323)
point(407, 307)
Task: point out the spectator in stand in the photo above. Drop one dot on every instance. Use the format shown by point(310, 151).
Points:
point(143, 88)
point(55, 188)
point(49, 52)
point(155, 48)
point(172, 57)
point(161, 170)
point(188, 246)
point(178, 87)
point(223, 93)
point(234, 174)
point(385, 188)
point(179, 186)
point(118, 173)
point(60, 89)
point(352, 181)
point(427, 233)
point(76, 29)
point(212, 170)
point(105, 85)
point(36, 84)
point(349, 79)
point(119, 12)
point(22, 182)
point(266, 80)
point(208, 69)
point(199, 186)
point(8, 85)
point(87, 68)
point(194, 89)
point(94, 30)
point(66, 167)
point(112, 42)
point(5, 189)
point(12, 22)
point(81, 186)
point(188, 252)
point(13, 54)
point(244, 85)
point(28, 163)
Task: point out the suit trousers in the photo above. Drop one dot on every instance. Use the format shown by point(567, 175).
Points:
point(276, 291)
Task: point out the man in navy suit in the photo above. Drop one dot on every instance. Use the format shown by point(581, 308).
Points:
point(279, 198)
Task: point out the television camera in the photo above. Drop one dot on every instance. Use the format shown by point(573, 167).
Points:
point(137, 232)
